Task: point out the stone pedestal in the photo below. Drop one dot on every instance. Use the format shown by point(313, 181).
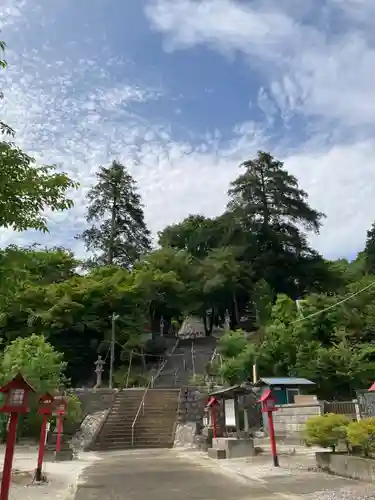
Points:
point(217, 454)
point(65, 453)
point(235, 448)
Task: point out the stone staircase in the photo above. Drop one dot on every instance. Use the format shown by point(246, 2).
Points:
point(179, 366)
point(155, 427)
point(155, 423)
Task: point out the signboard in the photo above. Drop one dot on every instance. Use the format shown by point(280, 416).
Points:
point(230, 416)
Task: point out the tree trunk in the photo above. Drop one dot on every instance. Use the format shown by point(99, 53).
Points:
point(113, 227)
point(235, 309)
point(266, 214)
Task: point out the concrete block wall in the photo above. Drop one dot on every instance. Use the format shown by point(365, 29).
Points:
point(290, 419)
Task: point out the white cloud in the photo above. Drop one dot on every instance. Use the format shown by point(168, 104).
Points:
point(321, 73)
point(57, 121)
point(310, 70)
point(69, 111)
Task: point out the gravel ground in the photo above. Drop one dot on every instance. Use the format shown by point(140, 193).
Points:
point(357, 492)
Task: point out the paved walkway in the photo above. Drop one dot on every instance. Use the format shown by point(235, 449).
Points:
point(169, 475)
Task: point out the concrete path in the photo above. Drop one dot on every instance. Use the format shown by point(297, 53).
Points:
point(170, 475)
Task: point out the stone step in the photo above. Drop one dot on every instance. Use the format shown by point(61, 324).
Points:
point(154, 426)
point(129, 446)
point(139, 431)
point(137, 439)
point(127, 439)
point(144, 439)
point(153, 430)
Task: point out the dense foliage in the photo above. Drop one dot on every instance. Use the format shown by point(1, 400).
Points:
point(303, 315)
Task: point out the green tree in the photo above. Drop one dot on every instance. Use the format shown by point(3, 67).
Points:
point(37, 360)
point(44, 368)
point(223, 280)
point(27, 189)
point(75, 316)
point(163, 280)
point(118, 234)
point(196, 234)
point(270, 207)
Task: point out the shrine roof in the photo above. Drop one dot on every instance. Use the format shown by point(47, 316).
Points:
point(285, 381)
point(229, 392)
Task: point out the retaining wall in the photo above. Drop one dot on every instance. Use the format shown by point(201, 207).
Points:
point(346, 465)
point(290, 419)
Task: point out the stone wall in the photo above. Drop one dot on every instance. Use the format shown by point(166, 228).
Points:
point(96, 404)
point(189, 426)
point(185, 435)
point(191, 404)
point(89, 429)
point(346, 465)
point(290, 420)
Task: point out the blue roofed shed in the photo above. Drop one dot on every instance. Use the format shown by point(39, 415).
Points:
point(284, 389)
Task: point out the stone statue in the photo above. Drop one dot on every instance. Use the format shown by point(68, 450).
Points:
point(99, 363)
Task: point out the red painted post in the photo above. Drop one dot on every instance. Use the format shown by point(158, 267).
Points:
point(271, 431)
point(214, 423)
point(8, 459)
point(42, 444)
point(268, 406)
point(59, 432)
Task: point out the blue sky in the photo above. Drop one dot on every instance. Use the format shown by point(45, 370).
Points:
point(182, 91)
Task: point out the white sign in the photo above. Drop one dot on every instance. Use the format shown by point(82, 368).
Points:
point(230, 416)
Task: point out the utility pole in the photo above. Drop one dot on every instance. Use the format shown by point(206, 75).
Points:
point(299, 308)
point(112, 354)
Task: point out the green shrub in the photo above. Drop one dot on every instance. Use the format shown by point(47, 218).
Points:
point(74, 414)
point(135, 379)
point(362, 434)
point(326, 430)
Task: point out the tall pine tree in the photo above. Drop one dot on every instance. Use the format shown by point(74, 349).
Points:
point(118, 234)
point(271, 209)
